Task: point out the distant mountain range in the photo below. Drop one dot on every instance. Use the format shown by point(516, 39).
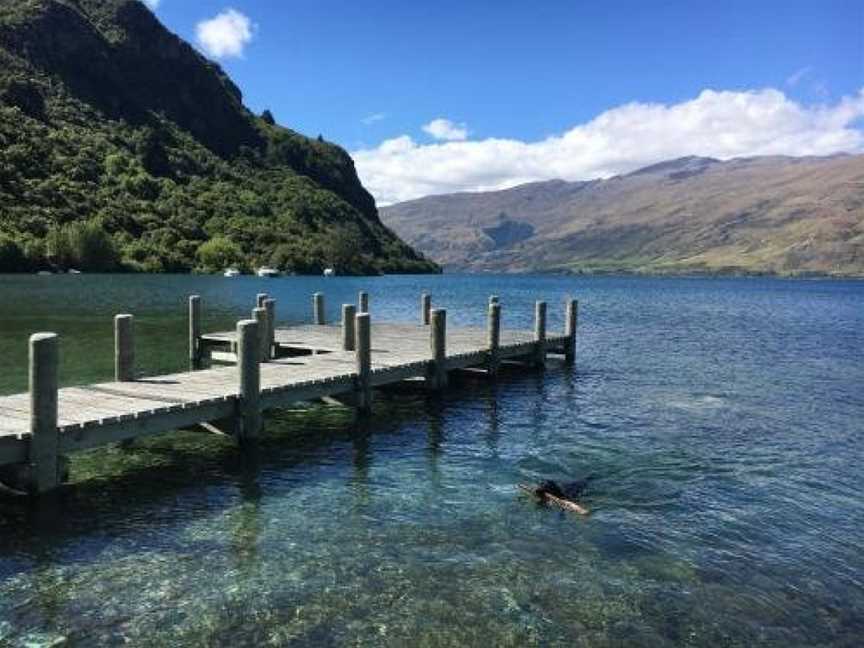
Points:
point(774, 215)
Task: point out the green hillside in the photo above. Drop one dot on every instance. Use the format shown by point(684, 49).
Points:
point(122, 148)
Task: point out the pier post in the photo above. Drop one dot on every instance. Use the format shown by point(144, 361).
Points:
point(248, 423)
point(493, 299)
point(571, 321)
point(348, 327)
point(195, 355)
point(260, 298)
point(494, 337)
point(45, 439)
point(270, 307)
point(363, 351)
point(363, 302)
point(124, 348)
point(425, 308)
point(318, 308)
point(540, 334)
point(260, 316)
point(437, 378)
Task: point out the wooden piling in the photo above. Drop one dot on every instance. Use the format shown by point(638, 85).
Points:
point(349, 312)
point(540, 334)
point(124, 348)
point(363, 302)
point(270, 307)
point(571, 321)
point(437, 377)
point(260, 316)
point(494, 337)
point(363, 351)
point(318, 308)
point(248, 420)
point(425, 308)
point(45, 438)
point(493, 299)
point(260, 298)
point(195, 355)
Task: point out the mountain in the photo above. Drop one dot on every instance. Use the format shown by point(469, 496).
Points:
point(777, 215)
point(123, 147)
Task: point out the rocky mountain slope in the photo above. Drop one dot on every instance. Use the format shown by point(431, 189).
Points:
point(776, 215)
point(123, 147)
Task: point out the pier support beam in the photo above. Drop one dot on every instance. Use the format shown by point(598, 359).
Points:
point(248, 421)
point(124, 348)
point(363, 302)
point(571, 321)
point(363, 351)
point(318, 308)
point(349, 312)
point(270, 307)
point(425, 308)
point(44, 461)
point(494, 337)
point(260, 298)
point(260, 317)
point(540, 334)
point(437, 378)
point(195, 354)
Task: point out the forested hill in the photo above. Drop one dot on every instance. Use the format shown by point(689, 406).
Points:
point(122, 147)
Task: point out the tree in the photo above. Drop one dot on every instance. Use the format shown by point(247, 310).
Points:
point(219, 253)
point(11, 257)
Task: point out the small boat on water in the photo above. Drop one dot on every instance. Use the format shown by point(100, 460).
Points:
point(264, 271)
point(73, 271)
point(329, 272)
point(231, 272)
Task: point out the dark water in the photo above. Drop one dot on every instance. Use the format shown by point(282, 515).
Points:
point(722, 419)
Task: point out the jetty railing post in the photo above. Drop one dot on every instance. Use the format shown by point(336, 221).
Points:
point(260, 298)
point(249, 399)
point(363, 302)
point(195, 354)
point(349, 312)
point(494, 337)
point(425, 308)
point(45, 438)
point(260, 316)
point(270, 307)
point(318, 308)
point(438, 340)
point(571, 321)
point(363, 352)
point(540, 334)
point(124, 348)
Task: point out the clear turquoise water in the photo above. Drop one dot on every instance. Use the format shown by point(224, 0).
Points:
point(722, 419)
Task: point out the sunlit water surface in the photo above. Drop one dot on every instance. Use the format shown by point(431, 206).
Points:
point(722, 420)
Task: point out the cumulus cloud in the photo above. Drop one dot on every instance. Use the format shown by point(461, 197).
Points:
point(444, 129)
point(716, 124)
point(225, 35)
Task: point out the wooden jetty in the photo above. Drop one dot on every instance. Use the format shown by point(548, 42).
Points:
point(268, 367)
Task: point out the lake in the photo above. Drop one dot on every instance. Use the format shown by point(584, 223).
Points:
point(722, 421)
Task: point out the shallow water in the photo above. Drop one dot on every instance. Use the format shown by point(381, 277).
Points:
point(722, 420)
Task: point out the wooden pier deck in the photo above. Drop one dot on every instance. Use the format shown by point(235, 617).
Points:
point(271, 367)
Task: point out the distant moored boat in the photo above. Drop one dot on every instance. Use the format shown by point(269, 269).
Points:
point(329, 272)
point(264, 271)
point(231, 272)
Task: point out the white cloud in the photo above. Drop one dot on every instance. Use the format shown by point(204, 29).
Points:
point(152, 3)
point(225, 35)
point(375, 117)
point(444, 129)
point(716, 124)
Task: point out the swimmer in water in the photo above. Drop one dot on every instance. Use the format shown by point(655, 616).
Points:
point(563, 495)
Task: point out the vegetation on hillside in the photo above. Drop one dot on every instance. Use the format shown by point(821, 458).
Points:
point(108, 162)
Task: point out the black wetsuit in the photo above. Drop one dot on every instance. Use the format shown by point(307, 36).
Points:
point(567, 490)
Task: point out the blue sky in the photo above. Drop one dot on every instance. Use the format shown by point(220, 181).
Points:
point(369, 75)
